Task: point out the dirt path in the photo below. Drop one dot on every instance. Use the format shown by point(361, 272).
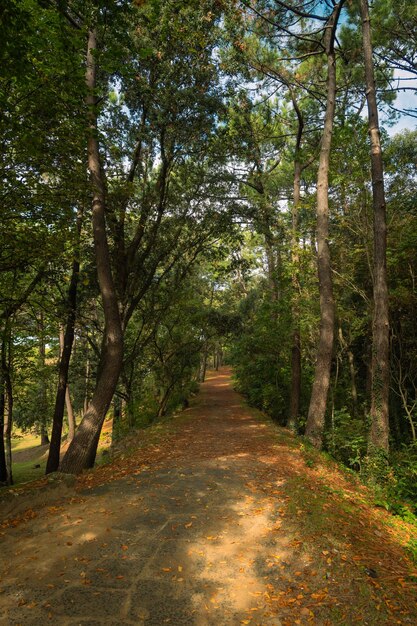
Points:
point(220, 520)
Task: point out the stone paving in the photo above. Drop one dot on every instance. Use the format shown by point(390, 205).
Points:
point(186, 542)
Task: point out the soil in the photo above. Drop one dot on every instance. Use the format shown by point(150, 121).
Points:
point(217, 517)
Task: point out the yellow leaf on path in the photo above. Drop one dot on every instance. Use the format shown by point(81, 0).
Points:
point(180, 568)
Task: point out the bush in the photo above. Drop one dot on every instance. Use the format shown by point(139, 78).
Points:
point(345, 438)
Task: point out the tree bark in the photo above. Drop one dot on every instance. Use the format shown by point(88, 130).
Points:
point(295, 261)
point(70, 415)
point(7, 402)
point(203, 364)
point(43, 399)
point(66, 341)
point(353, 387)
point(319, 394)
point(379, 432)
point(82, 450)
point(87, 385)
point(3, 465)
point(8, 425)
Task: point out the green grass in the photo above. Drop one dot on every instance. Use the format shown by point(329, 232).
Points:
point(25, 472)
point(24, 441)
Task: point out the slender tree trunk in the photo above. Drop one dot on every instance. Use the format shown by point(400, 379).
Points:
point(117, 418)
point(295, 309)
point(295, 261)
point(3, 465)
point(43, 399)
point(379, 433)
point(203, 366)
point(271, 262)
point(87, 385)
point(82, 450)
point(318, 400)
point(7, 401)
point(66, 340)
point(70, 415)
point(44, 435)
point(3, 462)
point(8, 426)
point(353, 387)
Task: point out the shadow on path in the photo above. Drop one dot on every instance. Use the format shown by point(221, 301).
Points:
point(208, 533)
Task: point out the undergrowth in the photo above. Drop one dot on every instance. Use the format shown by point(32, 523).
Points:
point(393, 483)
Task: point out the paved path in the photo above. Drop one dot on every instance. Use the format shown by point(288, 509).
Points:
point(198, 536)
point(180, 544)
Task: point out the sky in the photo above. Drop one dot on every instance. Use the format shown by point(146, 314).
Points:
point(405, 100)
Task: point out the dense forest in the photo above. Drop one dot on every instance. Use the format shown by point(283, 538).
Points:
point(189, 183)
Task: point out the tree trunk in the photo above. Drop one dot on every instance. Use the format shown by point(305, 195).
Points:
point(353, 387)
point(295, 281)
point(7, 402)
point(8, 425)
point(3, 465)
point(203, 366)
point(70, 415)
point(66, 340)
point(87, 385)
point(82, 450)
point(271, 263)
point(318, 400)
point(43, 398)
point(379, 433)
point(117, 418)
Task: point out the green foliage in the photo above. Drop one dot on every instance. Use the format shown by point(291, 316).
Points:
point(197, 127)
point(346, 438)
point(404, 465)
point(412, 548)
point(258, 358)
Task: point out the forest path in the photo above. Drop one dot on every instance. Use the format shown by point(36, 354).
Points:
point(221, 519)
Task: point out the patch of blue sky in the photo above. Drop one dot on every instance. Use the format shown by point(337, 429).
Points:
point(405, 103)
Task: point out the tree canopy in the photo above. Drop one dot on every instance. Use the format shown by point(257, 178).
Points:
point(192, 183)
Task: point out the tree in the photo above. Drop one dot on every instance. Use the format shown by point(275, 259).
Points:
point(318, 401)
point(134, 206)
point(379, 433)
